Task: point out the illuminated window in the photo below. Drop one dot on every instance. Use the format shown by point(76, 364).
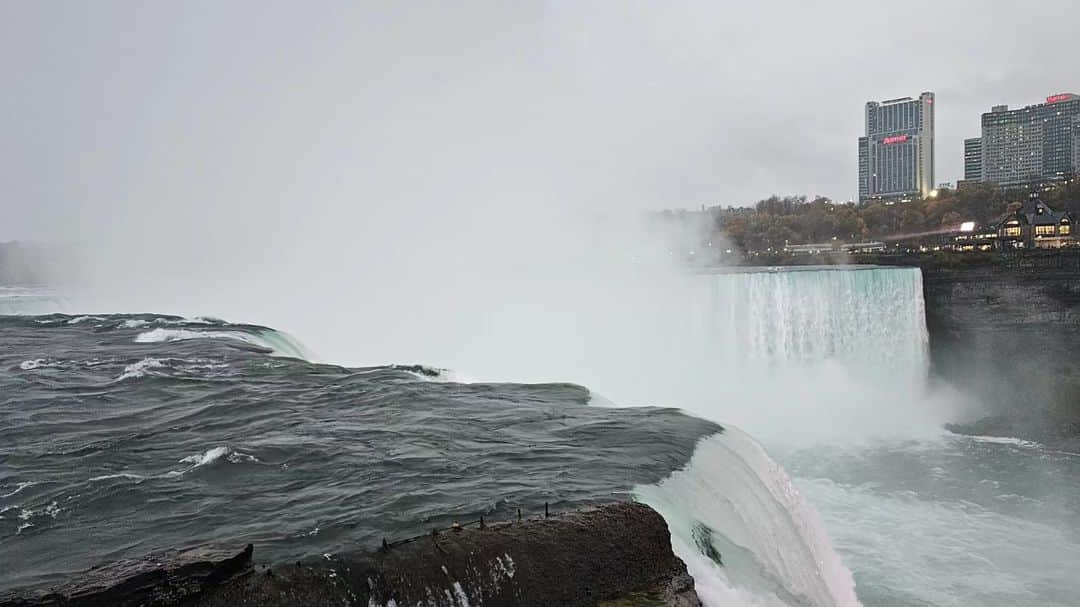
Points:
point(1012, 229)
point(1065, 229)
point(1044, 230)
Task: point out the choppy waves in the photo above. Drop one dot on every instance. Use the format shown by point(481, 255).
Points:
point(211, 439)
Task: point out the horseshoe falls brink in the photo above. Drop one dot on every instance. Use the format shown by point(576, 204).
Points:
point(807, 465)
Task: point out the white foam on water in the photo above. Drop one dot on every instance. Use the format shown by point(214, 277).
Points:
point(26, 515)
point(29, 365)
point(936, 551)
point(19, 487)
point(207, 457)
point(236, 457)
point(81, 319)
point(124, 475)
point(1003, 440)
point(210, 456)
point(161, 335)
point(95, 362)
point(139, 369)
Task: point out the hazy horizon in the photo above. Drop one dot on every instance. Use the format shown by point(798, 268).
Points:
point(118, 109)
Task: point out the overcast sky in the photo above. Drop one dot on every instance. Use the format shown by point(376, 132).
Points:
point(114, 113)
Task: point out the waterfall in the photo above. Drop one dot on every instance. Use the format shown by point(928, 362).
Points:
point(801, 355)
point(794, 357)
point(871, 319)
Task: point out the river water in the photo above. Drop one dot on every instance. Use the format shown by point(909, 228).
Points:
point(797, 454)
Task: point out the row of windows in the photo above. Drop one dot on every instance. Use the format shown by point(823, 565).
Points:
point(1049, 230)
point(893, 169)
point(1064, 229)
point(891, 118)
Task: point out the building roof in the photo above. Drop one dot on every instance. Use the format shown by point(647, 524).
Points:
point(1035, 212)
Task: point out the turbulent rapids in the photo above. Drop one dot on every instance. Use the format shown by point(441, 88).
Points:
point(123, 434)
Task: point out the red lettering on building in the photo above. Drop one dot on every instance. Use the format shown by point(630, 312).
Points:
point(1058, 98)
point(896, 139)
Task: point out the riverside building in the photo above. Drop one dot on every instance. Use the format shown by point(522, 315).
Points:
point(1035, 145)
point(896, 155)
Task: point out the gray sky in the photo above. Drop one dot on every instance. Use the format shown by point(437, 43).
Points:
point(131, 114)
point(449, 183)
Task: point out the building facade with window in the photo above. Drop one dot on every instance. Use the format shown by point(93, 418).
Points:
point(973, 159)
point(896, 155)
point(1028, 146)
point(1037, 226)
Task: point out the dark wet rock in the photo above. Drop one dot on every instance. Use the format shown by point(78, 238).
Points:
point(610, 553)
point(615, 555)
point(157, 580)
point(420, 370)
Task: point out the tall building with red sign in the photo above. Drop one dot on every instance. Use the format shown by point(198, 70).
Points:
point(896, 156)
point(1036, 144)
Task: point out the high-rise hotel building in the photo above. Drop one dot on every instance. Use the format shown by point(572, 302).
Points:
point(896, 157)
point(973, 159)
point(1035, 144)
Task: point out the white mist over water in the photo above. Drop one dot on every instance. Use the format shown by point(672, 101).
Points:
point(797, 358)
point(828, 368)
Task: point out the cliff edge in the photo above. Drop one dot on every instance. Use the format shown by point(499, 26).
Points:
point(1006, 330)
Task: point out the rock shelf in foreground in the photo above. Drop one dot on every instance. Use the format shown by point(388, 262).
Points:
point(619, 554)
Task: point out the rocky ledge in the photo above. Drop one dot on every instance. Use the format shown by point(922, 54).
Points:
point(615, 555)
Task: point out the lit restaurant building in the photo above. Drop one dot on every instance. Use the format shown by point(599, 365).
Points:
point(1037, 226)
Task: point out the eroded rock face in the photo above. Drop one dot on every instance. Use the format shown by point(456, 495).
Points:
point(1009, 333)
point(1006, 330)
point(620, 553)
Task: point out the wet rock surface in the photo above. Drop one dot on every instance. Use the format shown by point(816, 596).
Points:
point(619, 554)
point(169, 578)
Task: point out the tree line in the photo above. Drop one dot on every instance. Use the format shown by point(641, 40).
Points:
point(779, 220)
